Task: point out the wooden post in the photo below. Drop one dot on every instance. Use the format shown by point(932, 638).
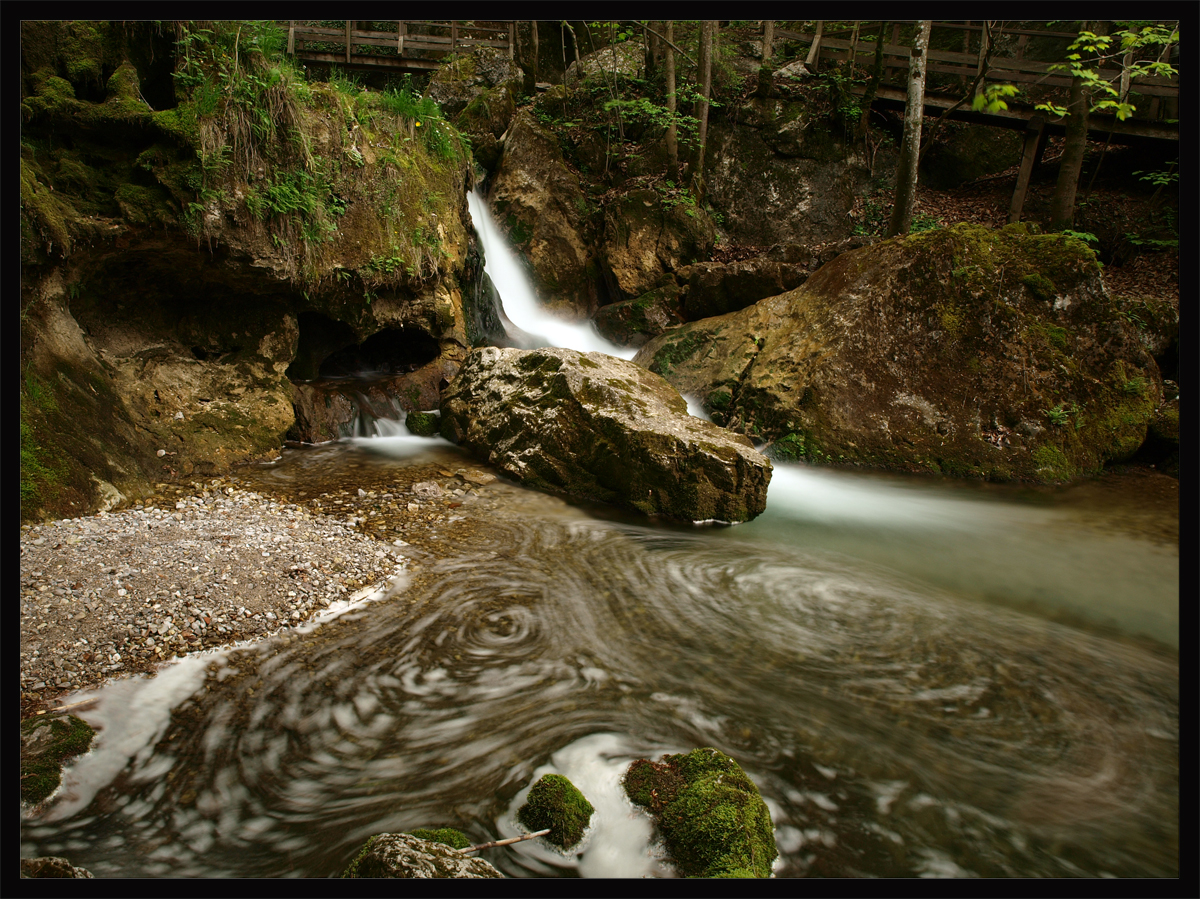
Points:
point(814, 52)
point(985, 45)
point(453, 37)
point(512, 39)
point(349, 24)
point(400, 39)
point(1034, 133)
point(291, 38)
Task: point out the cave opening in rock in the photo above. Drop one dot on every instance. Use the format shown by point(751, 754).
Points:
point(389, 352)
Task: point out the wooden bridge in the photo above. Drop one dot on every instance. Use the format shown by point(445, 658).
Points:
point(412, 46)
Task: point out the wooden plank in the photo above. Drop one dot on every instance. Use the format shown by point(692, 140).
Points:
point(1029, 158)
point(387, 62)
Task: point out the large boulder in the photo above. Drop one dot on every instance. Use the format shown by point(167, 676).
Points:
point(404, 855)
point(540, 205)
point(633, 322)
point(967, 351)
point(714, 288)
point(594, 427)
point(647, 233)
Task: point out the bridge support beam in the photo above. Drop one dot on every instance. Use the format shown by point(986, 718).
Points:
point(1035, 144)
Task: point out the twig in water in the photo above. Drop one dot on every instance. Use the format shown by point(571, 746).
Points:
point(528, 836)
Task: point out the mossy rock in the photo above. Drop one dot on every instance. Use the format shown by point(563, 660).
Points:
point(447, 836)
point(555, 803)
point(46, 743)
point(424, 424)
point(710, 814)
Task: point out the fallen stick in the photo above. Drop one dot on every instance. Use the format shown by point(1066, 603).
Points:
point(528, 836)
point(63, 708)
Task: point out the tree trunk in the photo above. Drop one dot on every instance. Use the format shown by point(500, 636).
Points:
point(910, 149)
point(1062, 207)
point(708, 28)
point(872, 86)
point(672, 135)
point(534, 29)
point(764, 71)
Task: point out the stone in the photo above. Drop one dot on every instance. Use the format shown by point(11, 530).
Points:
point(914, 354)
point(645, 236)
point(540, 205)
point(712, 818)
point(555, 804)
point(715, 288)
point(404, 855)
point(46, 744)
point(51, 866)
point(634, 322)
point(594, 427)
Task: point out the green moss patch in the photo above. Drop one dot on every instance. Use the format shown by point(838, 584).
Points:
point(447, 836)
point(46, 743)
point(423, 424)
point(555, 803)
point(710, 814)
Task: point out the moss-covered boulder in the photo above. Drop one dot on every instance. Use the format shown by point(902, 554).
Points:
point(594, 427)
point(447, 836)
point(46, 744)
point(555, 804)
point(634, 322)
point(712, 819)
point(966, 351)
point(404, 855)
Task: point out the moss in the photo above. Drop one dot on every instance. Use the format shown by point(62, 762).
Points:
point(41, 770)
point(448, 836)
point(1052, 465)
point(712, 818)
point(1040, 286)
point(555, 803)
point(352, 868)
point(423, 424)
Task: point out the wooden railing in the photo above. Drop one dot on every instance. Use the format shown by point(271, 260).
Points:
point(1015, 68)
point(413, 45)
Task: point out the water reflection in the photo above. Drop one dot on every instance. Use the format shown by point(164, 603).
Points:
point(896, 727)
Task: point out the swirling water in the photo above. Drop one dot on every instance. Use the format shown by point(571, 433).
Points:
point(898, 720)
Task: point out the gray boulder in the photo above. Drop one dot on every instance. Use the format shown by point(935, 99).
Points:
point(594, 427)
point(403, 855)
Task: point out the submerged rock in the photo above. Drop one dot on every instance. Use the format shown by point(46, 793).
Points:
point(51, 866)
point(46, 743)
point(594, 427)
point(966, 351)
point(405, 855)
point(710, 814)
point(556, 804)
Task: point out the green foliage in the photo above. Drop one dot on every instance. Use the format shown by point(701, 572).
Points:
point(991, 97)
point(1062, 415)
point(555, 803)
point(1134, 387)
point(1085, 236)
point(447, 836)
point(642, 111)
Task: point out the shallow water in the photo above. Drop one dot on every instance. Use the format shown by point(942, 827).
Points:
point(922, 680)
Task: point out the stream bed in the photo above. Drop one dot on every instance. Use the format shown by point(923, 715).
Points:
point(923, 679)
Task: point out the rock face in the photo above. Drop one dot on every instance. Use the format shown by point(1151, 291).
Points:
point(51, 866)
point(966, 351)
point(645, 236)
point(478, 93)
point(403, 855)
point(594, 427)
point(539, 203)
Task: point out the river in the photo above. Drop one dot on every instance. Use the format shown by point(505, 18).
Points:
point(923, 678)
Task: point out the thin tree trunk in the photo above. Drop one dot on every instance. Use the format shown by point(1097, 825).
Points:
point(1062, 206)
point(764, 71)
point(707, 29)
point(910, 150)
point(672, 135)
point(535, 49)
point(873, 86)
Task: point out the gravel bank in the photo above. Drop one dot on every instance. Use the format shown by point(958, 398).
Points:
point(119, 593)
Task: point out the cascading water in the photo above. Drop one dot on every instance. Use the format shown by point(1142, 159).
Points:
point(922, 679)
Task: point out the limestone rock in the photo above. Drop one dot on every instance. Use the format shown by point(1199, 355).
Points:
point(714, 288)
point(645, 236)
point(628, 60)
point(540, 205)
point(922, 353)
point(403, 855)
point(594, 427)
point(51, 866)
point(633, 322)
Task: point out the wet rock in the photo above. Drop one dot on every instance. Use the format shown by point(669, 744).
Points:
point(645, 237)
point(46, 743)
point(854, 366)
point(540, 205)
point(715, 288)
point(404, 855)
point(711, 816)
point(555, 804)
point(51, 866)
point(634, 322)
point(594, 427)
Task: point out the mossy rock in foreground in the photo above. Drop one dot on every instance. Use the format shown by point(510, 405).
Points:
point(46, 743)
point(555, 803)
point(712, 818)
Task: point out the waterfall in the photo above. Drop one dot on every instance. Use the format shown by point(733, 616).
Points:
point(534, 326)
